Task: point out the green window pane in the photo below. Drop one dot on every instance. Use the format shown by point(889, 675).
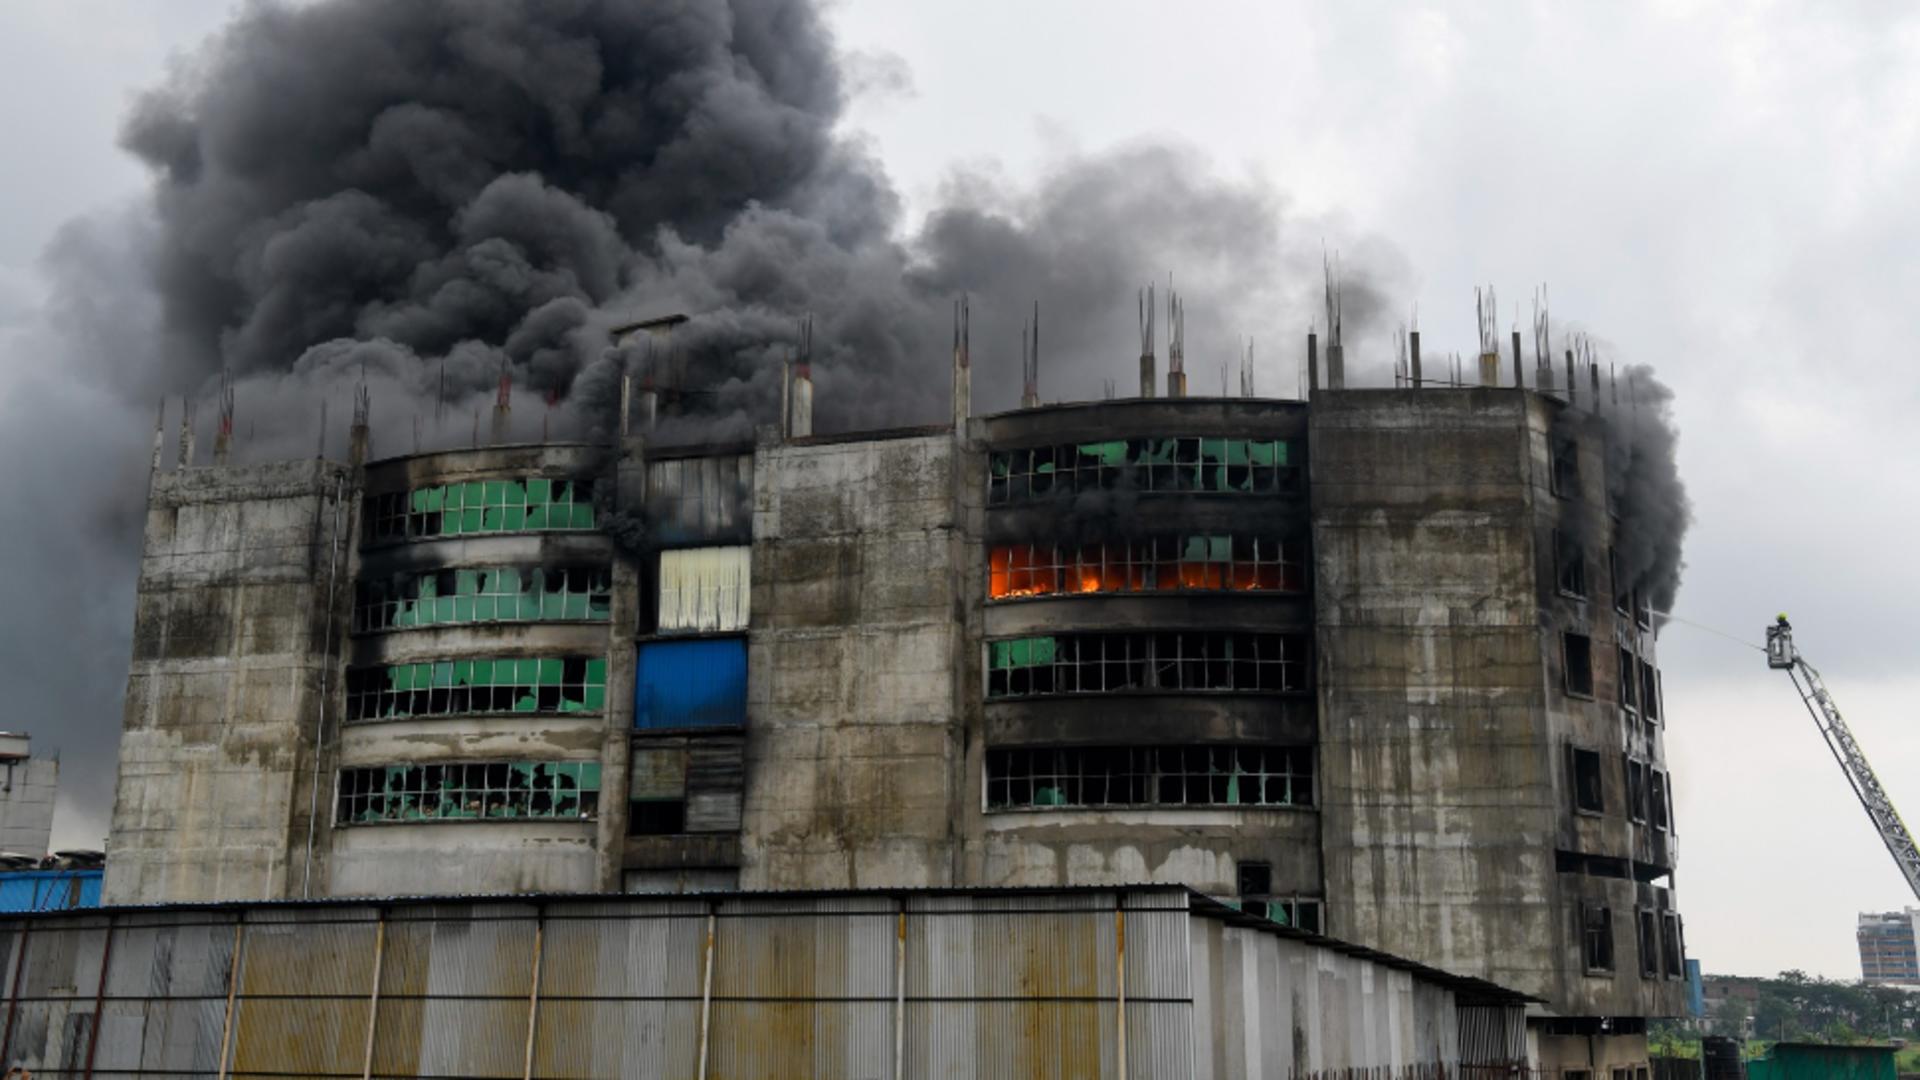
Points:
point(399, 678)
point(597, 672)
point(594, 697)
point(423, 676)
point(1003, 654)
point(1000, 464)
point(1213, 450)
point(1237, 452)
point(427, 586)
point(495, 493)
point(550, 672)
point(515, 517)
point(1283, 453)
point(483, 672)
point(453, 496)
point(536, 517)
point(551, 605)
point(527, 672)
point(471, 520)
point(493, 519)
point(475, 497)
point(1264, 453)
point(1194, 549)
point(443, 675)
point(516, 493)
point(462, 672)
point(1219, 549)
point(463, 609)
point(466, 582)
point(1104, 453)
point(526, 703)
point(506, 580)
point(539, 491)
point(589, 776)
point(576, 606)
point(486, 608)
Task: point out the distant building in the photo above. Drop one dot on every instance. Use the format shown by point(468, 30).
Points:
point(1887, 954)
point(27, 784)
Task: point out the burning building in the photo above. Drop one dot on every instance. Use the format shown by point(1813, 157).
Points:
point(1369, 664)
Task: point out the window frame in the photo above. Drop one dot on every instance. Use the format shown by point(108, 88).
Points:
point(1040, 779)
point(478, 782)
point(1636, 780)
point(1647, 933)
point(1563, 451)
point(1220, 562)
point(1569, 555)
point(1584, 691)
point(373, 693)
point(1596, 918)
point(1188, 464)
point(419, 514)
point(1101, 663)
point(1576, 755)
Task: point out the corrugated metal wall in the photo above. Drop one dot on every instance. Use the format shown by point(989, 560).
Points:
point(704, 590)
point(702, 498)
point(49, 890)
point(731, 987)
point(700, 683)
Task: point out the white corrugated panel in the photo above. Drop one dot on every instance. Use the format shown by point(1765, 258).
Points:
point(704, 589)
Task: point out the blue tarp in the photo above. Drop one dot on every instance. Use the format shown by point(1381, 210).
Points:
point(701, 683)
point(49, 890)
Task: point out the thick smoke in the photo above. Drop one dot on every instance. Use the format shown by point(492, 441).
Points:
point(1643, 482)
point(421, 195)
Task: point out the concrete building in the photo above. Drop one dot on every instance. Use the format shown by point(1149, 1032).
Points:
point(1358, 665)
point(1887, 953)
point(27, 787)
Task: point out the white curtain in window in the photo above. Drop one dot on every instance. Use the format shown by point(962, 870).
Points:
point(704, 589)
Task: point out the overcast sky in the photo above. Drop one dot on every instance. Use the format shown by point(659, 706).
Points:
point(1723, 191)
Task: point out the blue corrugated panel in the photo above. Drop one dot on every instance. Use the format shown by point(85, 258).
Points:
point(691, 684)
point(49, 890)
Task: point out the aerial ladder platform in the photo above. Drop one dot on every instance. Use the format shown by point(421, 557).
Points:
point(1783, 656)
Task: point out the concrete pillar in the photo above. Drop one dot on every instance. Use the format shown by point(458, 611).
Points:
point(1413, 353)
point(1313, 363)
point(1336, 367)
point(1490, 369)
point(1146, 375)
point(802, 424)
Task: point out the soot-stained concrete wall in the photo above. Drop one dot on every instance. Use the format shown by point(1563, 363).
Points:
point(230, 653)
point(852, 749)
point(1445, 714)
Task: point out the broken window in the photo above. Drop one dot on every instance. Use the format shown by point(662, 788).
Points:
point(1566, 468)
point(1622, 593)
point(704, 590)
point(1212, 562)
point(1649, 936)
point(1093, 663)
point(461, 687)
point(657, 791)
point(1636, 790)
point(1570, 562)
point(499, 789)
point(1649, 691)
point(1642, 609)
point(1596, 936)
point(1657, 797)
point(480, 506)
point(1584, 767)
point(1149, 776)
point(1223, 466)
point(1672, 951)
point(1629, 681)
point(1577, 651)
point(483, 595)
point(1255, 886)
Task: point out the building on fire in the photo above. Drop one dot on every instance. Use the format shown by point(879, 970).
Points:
point(1359, 664)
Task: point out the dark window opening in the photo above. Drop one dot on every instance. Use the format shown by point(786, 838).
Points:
point(1636, 790)
point(479, 506)
point(1642, 609)
point(540, 685)
point(1570, 562)
point(1649, 944)
point(1629, 681)
point(510, 789)
point(1596, 937)
point(1566, 468)
point(1657, 792)
point(1671, 950)
point(1622, 593)
point(1127, 662)
point(1577, 649)
point(1255, 879)
point(656, 817)
point(483, 595)
point(1649, 691)
point(1584, 765)
point(1149, 776)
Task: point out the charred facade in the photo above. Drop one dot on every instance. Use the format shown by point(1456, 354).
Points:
point(1361, 664)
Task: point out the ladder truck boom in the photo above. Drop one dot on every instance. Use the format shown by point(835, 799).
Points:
point(1783, 656)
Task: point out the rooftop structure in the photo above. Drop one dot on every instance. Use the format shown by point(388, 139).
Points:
point(27, 788)
point(1358, 664)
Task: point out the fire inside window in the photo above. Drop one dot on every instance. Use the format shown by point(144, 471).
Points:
point(480, 506)
point(484, 595)
point(1202, 562)
point(462, 687)
point(1168, 776)
point(1220, 466)
point(1115, 663)
point(510, 789)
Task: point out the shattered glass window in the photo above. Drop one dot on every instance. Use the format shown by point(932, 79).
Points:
point(537, 685)
point(1027, 778)
point(1110, 663)
point(468, 790)
point(1235, 562)
point(535, 504)
point(1181, 463)
point(483, 595)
